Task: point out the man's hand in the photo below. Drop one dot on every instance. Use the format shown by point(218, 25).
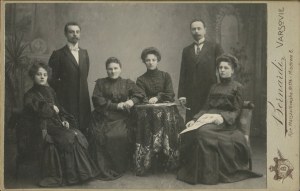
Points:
point(182, 101)
point(66, 124)
point(44, 133)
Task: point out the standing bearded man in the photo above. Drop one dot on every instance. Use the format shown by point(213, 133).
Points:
point(70, 68)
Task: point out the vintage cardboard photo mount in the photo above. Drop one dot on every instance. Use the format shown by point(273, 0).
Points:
point(282, 86)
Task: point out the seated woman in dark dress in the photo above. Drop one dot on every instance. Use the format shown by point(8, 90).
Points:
point(65, 158)
point(155, 83)
point(113, 97)
point(218, 151)
point(165, 124)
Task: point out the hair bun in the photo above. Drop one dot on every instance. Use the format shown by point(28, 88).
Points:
point(151, 50)
point(228, 58)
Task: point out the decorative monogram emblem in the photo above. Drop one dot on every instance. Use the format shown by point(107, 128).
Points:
point(283, 168)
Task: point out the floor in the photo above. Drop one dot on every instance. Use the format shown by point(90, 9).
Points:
point(28, 176)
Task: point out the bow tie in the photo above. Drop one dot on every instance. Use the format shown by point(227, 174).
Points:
point(74, 48)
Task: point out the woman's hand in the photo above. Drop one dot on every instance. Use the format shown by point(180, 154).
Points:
point(211, 118)
point(128, 104)
point(190, 123)
point(206, 118)
point(153, 100)
point(121, 106)
point(218, 119)
point(66, 124)
point(56, 109)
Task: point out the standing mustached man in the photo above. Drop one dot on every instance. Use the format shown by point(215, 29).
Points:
point(70, 68)
point(198, 69)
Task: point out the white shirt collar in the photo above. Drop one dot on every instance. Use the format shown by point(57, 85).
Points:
point(200, 41)
point(71, 46)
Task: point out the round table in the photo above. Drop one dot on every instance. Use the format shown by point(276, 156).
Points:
point(156, 134)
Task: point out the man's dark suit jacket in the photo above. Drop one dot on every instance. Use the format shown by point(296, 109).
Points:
point(69, 80)
point(197, 74)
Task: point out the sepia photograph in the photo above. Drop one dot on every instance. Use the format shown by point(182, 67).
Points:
point(147, 95)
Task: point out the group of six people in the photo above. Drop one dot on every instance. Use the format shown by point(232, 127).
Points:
point(60, 113)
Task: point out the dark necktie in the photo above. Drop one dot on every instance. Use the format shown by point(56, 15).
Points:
point(198, 47)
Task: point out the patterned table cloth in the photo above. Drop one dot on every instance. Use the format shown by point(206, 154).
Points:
point(157, 132)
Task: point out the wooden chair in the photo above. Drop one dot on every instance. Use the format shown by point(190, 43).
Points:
point(25, 152)
point(29, 145)
point(244, 124)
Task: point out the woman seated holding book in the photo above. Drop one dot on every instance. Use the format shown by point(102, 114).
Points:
point(217, 151)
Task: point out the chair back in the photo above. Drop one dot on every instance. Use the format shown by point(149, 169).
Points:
point(244, 122)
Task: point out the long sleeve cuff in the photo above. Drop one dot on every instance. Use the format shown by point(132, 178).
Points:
point(112, 106)
point(159, 97)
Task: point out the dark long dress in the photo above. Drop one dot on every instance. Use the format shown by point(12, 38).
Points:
point(65, 157)
point(156, 83)
point(110, 128)
point(216, 153)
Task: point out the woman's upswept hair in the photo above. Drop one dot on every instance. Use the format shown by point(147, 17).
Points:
point(150, 50)
point(226, 57)
point(36, 66)
point(113, 60)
